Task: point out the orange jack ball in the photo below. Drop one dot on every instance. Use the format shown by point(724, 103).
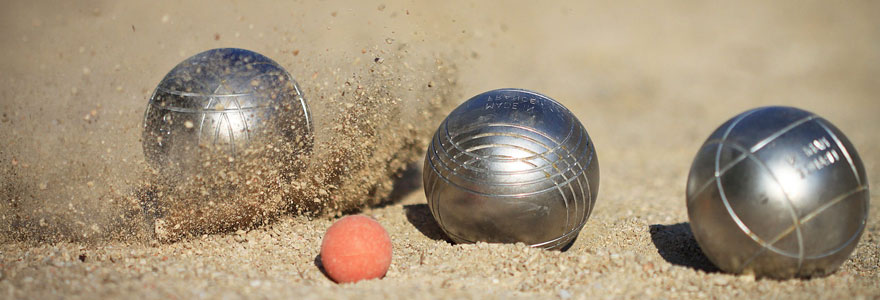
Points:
point(356, 248)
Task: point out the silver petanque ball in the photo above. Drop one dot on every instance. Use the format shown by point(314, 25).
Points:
point(511, 165)
point(777, 192)
point(222, 100)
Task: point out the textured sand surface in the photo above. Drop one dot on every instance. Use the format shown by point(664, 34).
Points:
point(649, 80)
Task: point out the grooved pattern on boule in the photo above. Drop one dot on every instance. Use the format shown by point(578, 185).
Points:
point(779, 192)
point(511, 165)
point(222, 99)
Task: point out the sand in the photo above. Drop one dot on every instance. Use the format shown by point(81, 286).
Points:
point(650, 81)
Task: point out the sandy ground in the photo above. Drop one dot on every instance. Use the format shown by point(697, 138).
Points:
point(649, 80)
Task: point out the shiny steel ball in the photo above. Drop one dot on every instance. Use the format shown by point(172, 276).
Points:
point(777, 192)
point(222, 100)
point(511, 165)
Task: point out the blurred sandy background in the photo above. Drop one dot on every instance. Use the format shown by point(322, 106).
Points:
point(650, 81)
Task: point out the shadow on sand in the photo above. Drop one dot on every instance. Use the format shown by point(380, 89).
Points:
point(676, 244)
point(419, 215)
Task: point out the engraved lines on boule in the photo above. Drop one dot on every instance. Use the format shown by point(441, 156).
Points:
point(758, 146)
point(807, 218)
point(435, 205)
point(476, 157)
point(194, 94)
point(861, 188)
point(468, 129)
point(750, 154)
point(435, 175)
point(791, 210)
point(845, 153)
point(468, 166)
point(440, 151)
point(473, 127)
point(213, 101)
point(586, 197)
point(147, 115)
point(302, 102)
point(795, 227)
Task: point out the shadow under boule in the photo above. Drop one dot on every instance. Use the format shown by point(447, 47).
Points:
point(677, 245)
point(419, 215)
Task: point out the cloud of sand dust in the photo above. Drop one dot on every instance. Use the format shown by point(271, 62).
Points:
point(373, 121)
point(72, 166)
point(376, 124)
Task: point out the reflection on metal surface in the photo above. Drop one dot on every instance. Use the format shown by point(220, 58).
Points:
point(222, 99)
point(511, 165)
point(778, 192)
